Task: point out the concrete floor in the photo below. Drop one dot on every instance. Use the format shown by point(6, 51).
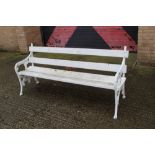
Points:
point(59, 105)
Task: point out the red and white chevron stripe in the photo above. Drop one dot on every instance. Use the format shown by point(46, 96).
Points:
point(115, 36)
point(61, 35)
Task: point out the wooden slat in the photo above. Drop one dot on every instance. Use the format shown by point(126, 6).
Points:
point(80, 51)
point(87, 79)
point(77, 64)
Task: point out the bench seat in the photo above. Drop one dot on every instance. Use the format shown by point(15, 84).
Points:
point(88, 79)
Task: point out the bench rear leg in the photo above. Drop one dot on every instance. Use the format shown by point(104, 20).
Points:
point(36, 80)
point(117, 94)
point(28, 79)
point(123, 91)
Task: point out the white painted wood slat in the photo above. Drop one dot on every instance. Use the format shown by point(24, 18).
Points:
point(88, 79)
point(80, 51)
point(78, 64)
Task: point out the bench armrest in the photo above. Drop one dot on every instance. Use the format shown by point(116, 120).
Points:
point(23, 62)
point(120, 73)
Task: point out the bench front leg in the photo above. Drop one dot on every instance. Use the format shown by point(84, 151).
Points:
point(21, 79)
point(21, 82)
point(117, 95)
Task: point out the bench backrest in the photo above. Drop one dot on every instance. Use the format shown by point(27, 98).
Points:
point(79, 51)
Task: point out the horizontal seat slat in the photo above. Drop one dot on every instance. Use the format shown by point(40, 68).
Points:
point(95, 80)
point(77, 64)
point(81, 51)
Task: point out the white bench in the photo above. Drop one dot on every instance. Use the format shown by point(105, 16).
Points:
point(116, 83)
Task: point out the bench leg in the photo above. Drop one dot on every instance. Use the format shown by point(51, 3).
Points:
point(21, 82)
point(36, 80)
point(117, 94)
point(29, 79)
point(123, 91)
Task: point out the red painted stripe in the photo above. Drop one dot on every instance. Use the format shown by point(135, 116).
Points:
point(116, 37)
point(61, 35)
